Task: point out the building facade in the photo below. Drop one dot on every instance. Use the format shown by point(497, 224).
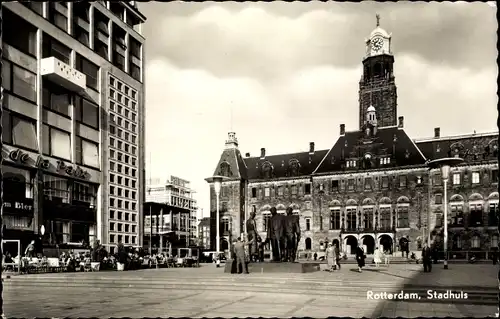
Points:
point(176, 192)
point(373, 186)
point(73, 122)
point(204, 233)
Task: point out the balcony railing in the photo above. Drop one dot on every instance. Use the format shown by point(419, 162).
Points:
point(63, 74)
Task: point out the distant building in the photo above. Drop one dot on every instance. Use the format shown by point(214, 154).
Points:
point(204, 232)
point(175, 192)
point(373, 185)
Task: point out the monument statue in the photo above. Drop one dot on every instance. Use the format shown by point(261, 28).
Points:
point(253, 237)
point(275, 234)
point(292, 235)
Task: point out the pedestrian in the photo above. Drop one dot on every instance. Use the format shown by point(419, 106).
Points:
point(315, 256)
point(330, 257)
point(240, 254)
point(360, 257)
point(427, 258)
point(377, 257)
point(387, 257)
point(337, 256)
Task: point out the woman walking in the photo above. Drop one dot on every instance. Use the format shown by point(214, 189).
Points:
point(330, 257)
point(377, 257)
point(360, 257)
point(337, 256)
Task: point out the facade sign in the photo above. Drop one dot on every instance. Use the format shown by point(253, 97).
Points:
point(18, 156)
point(18, 205)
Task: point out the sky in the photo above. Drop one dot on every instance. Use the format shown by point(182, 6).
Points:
point(282, 75)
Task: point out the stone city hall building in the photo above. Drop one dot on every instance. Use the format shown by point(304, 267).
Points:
point(373, 186)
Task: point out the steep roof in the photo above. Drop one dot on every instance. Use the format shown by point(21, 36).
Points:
point(474, 147)
point(390, 142)
point(283, 165)
point(205, 221)
point(231, 165)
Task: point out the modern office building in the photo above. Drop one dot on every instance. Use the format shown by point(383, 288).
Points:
point(73, 121)
point(373, 186)
point(175, 192)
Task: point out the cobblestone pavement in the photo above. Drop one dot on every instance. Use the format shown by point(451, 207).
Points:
point(208, 292)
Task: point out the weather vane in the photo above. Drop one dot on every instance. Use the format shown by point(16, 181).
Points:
point(378, 19)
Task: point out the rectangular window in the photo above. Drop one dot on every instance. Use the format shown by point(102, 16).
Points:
point(308, 224)
point(438, 199)
point(54, 48)
point(335, 219)
point(368, 218)
point(34, 5)
point(403, 221)
point(368, 183)
point(118, 60)
point(56, 142)
point(135, 48)
point(87, 152)
point(84, 194)
point(437, 179)
point(494, 176)
point(90, 70)
point(492, 214)
point(294, 190)
point(307, 189)
point(350, 184)
point(267, 192)
point(254, 192)
point(476, 215)
point(402, 181)
point(56, 189)
point(385, 218)
point(86, 112)
point(475, 178)
point(135, 72)
point(335, 185)
point(24, 37)
point(457, 215)
point(57, 17)
point(456, 179)
point(23, 83)
point(19, 131)
point(56, 98)
point(100, 47)
point(280, 190)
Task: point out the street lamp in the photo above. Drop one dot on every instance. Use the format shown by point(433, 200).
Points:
point(445, 164)
point(217, 181)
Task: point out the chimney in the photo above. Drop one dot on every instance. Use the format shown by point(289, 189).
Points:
point(247, 154)
point(311, 147)
point(342, 129)
point(262, 153)
point(437, 132)
point(401, 122)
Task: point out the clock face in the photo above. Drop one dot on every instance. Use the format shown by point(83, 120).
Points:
point(377, 44)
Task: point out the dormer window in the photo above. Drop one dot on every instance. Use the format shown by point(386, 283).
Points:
point(351, 163)
point(385, 160)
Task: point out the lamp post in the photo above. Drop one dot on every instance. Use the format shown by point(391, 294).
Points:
point(217, 181)
point(445, 164)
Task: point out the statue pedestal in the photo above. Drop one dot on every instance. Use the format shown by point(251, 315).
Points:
point(270, 267)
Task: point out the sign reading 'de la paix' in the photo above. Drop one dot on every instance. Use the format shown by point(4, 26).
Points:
point(21, 157)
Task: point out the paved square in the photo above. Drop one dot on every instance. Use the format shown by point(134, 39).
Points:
point(208, 292)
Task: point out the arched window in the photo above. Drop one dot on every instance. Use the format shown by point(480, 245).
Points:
point(475, 242)
point(308, 243)
point(225, 169)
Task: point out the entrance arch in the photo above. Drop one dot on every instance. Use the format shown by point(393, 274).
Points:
point(369, 242)
point(386, 243)
point(351, 243)
point(308, 243)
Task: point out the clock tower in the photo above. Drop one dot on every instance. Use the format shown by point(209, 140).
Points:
point(377, 87)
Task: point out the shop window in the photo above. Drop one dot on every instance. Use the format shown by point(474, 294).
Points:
point(24, 38)
point(85, 194)
point(90, 70)
point(56, 98)
point(56, 189)
point(56, 142)
point(19, 131)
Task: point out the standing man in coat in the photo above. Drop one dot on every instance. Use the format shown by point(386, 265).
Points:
point(427, 258)
point(292, 235)
point(253, 237)
point(239, 254)
point(360, 257)
point(275, 234)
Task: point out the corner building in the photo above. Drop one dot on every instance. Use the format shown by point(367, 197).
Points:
point(373, 186)
point(73, 122)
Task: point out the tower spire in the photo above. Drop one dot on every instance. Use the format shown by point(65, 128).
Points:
point(377, 16)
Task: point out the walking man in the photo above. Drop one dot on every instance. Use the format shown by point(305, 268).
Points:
point(427, 258)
